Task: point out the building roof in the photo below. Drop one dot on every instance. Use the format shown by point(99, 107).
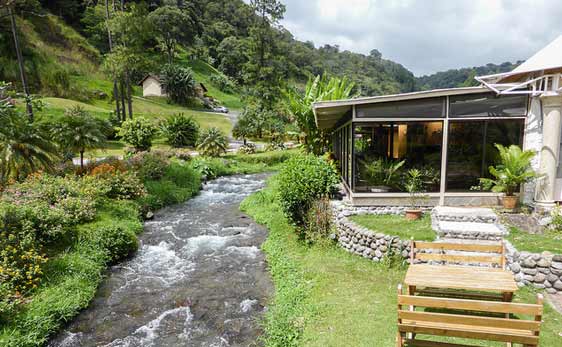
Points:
point(546, 61)
point(156, 77)
point(328, 113)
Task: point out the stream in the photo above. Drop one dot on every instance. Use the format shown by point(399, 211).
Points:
point(198, 279)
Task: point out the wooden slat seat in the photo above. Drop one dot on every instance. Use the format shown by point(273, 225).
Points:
point(457, 252)
point(486, 326)
point(450, 293)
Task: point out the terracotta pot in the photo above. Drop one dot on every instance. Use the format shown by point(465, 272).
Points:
point(413, 214)
point(510, 201)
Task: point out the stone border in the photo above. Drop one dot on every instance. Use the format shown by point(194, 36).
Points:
point(542, 270)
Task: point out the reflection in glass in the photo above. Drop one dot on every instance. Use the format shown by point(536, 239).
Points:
point(384, 151)
point(471, 149)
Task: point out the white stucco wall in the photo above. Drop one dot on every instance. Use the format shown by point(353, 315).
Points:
point(152, 87)
point(533, 141)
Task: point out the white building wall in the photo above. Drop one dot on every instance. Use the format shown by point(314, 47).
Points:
point(152, 87)
point(533, 141)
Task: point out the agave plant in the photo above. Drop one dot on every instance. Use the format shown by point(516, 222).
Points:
point(513, 169)
point(212, 143)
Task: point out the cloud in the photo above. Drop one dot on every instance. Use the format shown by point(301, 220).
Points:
point(429, 36)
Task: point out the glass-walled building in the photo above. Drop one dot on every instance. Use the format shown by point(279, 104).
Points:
point(448, 135)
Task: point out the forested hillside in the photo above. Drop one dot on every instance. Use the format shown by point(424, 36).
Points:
point(463, 77)
point(220, 32)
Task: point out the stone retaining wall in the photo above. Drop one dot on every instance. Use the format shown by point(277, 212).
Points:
point(540, 270)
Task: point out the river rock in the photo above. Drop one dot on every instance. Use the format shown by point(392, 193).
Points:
point(539, 278)
point(557, 285)
point(557, 265)
point(515, 267)
point(529, 263)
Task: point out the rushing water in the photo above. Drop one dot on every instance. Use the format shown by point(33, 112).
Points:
point(198, 279)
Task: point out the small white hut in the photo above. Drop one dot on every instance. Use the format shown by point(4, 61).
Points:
point(152, 86)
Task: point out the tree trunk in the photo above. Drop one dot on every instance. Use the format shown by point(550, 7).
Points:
point(28, 106)
point(110, 42)
point(123, 97)
point(245, 141)
point(82, 159)
point(129, 95)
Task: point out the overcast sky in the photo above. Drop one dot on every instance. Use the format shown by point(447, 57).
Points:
point(427, 36)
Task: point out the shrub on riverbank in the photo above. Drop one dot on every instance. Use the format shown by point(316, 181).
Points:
point(303, 180)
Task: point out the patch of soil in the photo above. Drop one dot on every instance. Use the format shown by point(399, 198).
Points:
point(525, 222)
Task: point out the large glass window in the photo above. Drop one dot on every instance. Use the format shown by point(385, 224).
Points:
point(471, 149)
point(384, 151)
point(341, 139)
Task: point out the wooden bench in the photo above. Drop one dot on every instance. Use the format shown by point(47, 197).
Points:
point(467, 319)
point(494, 254)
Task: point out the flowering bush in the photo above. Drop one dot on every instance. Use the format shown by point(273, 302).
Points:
point(122, 185)
point(50, 204)
point(150, 165)
point(21, 263)
point(138, 132)
point(182, 154)
point(117, 242)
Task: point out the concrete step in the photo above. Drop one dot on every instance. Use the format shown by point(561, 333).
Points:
point(464, 214)
point(470, 230)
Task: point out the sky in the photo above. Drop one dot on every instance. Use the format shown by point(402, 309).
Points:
point(427, 36)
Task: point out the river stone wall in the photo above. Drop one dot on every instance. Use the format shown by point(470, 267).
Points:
point(542, 270)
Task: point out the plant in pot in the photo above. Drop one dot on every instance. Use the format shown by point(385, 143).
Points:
point(414, 186)
point(381, 174)
point(512, 170)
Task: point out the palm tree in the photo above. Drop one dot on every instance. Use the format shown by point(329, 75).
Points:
point(24, 147)
point(79, 131)
point(319, 88)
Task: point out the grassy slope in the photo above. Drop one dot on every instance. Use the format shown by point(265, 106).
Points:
point(328, 297)
point(57, 47)
point(397, 225)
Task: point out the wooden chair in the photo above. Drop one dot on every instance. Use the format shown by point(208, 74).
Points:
point(488, 325)
point(494, 253)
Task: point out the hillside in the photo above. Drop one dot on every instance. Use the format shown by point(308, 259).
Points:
point(463, 77)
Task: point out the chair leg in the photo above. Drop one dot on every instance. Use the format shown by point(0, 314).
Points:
point(399, 340)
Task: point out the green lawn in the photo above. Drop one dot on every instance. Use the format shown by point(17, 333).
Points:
point(328, 297)
point(155, 108)
point(397, 225)
point(549, 241)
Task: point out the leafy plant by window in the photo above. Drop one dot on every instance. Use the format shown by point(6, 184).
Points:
point(415, 187)
point(513, 169)
point(302, 180)
point(180, 131)
point(138, 132)
point(212, 143)
point(382, 172)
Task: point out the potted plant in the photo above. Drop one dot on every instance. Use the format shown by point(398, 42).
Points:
point(414, 186)
point(512, 170)
point(381, 174)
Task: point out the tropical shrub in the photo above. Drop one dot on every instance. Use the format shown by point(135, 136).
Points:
point(116, 241)
point(513, 169)
point(212, 143)
point(275, 146)
point(150, 165)
point(180, 131)
point(556, 215)
point(8, 300)
point(138, 132)
point(178, 82)
point(248, 148)
point(302, 180)
point(223, 83)
point(382, 172)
